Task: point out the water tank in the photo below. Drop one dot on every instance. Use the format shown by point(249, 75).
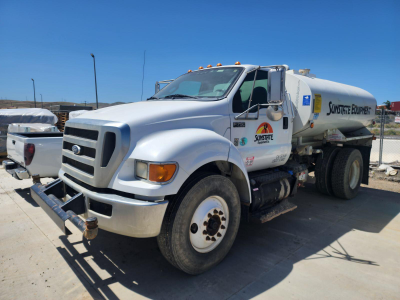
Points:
point(327, 104)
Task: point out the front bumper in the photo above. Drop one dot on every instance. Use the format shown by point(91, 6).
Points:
point(125, 216)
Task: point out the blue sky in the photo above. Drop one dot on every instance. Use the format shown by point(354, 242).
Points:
point(352, 42)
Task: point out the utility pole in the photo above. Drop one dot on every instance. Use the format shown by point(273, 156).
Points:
point(41, 98)
point(144, 63)
point(85, 103)
point(34, 92)
point(95, 79)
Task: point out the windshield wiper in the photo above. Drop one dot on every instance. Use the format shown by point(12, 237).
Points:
point(152, 97)
point(179, 96)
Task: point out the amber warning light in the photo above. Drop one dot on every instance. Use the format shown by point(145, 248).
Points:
point(161, 173)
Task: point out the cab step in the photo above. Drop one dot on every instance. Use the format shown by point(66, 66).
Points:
point(270, 213)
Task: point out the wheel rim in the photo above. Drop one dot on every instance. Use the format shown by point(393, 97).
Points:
point(354, 174)
point(209, 224)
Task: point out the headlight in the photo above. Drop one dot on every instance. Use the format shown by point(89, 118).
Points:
point(141, 169)
point(155, 172)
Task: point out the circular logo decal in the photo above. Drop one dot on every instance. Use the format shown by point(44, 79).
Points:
point(243, 141)
point(76, 149)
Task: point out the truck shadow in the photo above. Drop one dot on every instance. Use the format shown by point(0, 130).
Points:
point(113, 266)
point(26, 195)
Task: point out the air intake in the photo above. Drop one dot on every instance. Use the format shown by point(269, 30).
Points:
point(108, 148)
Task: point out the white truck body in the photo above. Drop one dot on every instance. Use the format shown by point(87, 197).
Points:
point(46, 160)
point(227, 135)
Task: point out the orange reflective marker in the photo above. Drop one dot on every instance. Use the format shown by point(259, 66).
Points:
point(161, 173)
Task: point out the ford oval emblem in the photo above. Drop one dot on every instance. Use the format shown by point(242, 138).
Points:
point(76, 149)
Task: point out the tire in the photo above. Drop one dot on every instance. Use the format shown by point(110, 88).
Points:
point(323, 170)
point(178, 237)
point(347, 173)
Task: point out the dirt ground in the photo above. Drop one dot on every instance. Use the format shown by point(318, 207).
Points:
point(384, 185)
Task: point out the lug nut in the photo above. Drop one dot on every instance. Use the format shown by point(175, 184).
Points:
point(223, 219)
point(208, 238)
point(204, 232)
point(205, 223)
point(219, 235)
point(213, 239)
point(209, 215)
point(215, 211)
point(221, 213)
point(222, 227)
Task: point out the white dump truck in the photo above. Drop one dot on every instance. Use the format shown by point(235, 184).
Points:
point(213, 147)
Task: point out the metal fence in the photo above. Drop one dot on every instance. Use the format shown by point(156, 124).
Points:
point(386, 147)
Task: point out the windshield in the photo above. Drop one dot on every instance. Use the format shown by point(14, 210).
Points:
point(208, 84)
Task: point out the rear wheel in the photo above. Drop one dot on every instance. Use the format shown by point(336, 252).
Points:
point(347, 173)
point(323, 170)
point(200, 224)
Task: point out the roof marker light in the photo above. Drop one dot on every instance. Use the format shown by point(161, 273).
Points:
point(190, 71)
point(201, 68)
point(219, 64)
point(209, 66)
point(237, 63)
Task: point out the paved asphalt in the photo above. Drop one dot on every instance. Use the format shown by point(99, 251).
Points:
point(325, 249)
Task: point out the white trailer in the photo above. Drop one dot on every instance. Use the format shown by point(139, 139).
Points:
point(214, 146)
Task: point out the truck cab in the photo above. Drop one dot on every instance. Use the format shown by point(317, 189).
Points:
point(214, 146)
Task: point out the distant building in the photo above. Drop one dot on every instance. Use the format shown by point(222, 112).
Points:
point(395, 106)
point(69, 108)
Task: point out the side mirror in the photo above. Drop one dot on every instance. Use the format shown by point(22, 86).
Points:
point(276, 92)
point(276, 85)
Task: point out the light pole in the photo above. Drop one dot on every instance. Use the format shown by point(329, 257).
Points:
point(34, 92)
point(41, 98)
point(95, 80)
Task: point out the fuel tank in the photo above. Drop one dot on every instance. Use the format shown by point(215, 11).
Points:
point(327, 104)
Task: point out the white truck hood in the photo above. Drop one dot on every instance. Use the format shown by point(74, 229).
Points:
point(150, 112)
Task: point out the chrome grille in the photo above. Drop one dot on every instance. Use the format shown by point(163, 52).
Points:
point(102, 144)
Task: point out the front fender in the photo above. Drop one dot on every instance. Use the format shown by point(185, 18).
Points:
point(191, 148)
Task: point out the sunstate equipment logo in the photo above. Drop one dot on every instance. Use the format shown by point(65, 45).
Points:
point(264, 134)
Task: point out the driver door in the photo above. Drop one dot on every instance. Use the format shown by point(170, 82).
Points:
point(262, 143)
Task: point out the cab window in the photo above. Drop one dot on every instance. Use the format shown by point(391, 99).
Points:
point(242, 96)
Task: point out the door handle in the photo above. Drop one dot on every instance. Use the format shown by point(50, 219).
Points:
point(13, 142)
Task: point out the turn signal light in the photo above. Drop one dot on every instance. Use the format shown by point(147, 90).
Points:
point(201, 68)
point(219, 64)
point(237, 63)
point(161, 173)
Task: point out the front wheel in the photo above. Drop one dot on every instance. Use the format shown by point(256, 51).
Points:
point(200, 224)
